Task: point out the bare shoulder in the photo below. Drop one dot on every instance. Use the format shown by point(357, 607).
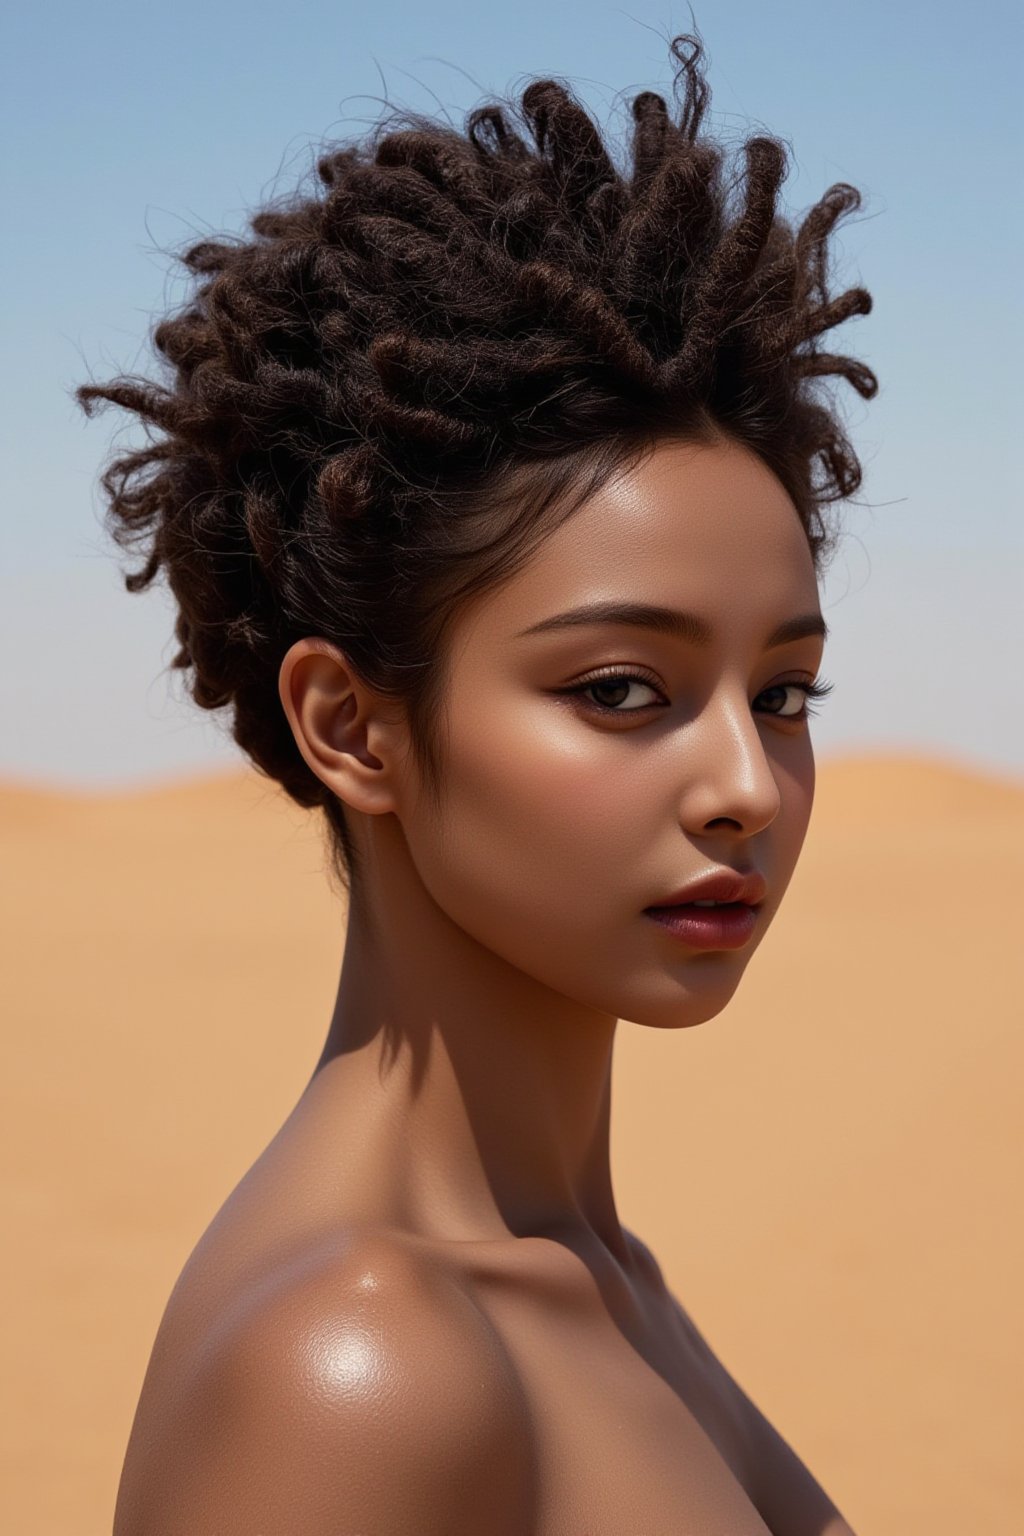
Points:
point(787, 1495)
point(357, 1387)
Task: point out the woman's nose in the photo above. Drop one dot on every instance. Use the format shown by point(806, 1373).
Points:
point(729, 776)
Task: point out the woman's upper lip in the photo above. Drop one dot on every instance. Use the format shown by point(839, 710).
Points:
point(748, 887)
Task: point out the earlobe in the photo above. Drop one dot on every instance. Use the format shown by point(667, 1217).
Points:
point(340, 726)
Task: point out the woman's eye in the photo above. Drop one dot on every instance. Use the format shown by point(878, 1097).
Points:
point(611, 692)
point(804, 693)
point(609, 695)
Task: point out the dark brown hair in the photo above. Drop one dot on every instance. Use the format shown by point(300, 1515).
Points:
point(379, 404)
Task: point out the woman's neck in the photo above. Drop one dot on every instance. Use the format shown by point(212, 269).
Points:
point(470, 1101)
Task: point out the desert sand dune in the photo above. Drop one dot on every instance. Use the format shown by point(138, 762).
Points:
point(829, 1171)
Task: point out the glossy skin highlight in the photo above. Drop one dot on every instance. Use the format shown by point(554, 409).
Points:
point(430, 1247)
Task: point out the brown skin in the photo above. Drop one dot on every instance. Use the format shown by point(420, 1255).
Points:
point(419, 1311)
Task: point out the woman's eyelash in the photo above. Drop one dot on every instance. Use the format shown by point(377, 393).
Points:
point(816, 690)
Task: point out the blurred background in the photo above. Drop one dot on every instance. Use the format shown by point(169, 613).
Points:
point(846, 1247)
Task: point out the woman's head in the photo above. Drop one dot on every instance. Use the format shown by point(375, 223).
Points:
point(382, 405)
point(623, 715)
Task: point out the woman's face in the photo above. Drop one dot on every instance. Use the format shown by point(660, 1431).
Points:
point(573, 802)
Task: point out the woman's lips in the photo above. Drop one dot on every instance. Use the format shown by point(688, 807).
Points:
point(728, 926)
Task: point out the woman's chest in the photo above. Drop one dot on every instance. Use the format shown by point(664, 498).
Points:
point(631, 1434)
point(617, 1452)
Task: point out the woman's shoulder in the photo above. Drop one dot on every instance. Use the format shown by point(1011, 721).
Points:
point(356, 1380)
point(364, 1297)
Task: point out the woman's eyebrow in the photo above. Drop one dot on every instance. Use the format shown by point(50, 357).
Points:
point(672, 621)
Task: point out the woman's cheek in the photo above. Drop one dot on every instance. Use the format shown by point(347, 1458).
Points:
point(539, 830)
point(548, 771)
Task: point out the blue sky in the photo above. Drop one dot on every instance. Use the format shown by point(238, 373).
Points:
point(131, 129)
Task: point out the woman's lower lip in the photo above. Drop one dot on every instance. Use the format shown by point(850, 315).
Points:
point(726, 927)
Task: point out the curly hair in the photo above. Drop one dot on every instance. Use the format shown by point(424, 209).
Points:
point(381, 403)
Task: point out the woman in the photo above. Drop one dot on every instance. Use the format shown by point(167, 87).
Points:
point(490, 483)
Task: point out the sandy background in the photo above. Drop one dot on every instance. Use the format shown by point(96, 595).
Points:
point(830, 1171)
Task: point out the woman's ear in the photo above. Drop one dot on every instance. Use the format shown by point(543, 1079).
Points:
point(352, 738)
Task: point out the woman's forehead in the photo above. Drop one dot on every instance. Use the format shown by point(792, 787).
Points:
point(698, 528)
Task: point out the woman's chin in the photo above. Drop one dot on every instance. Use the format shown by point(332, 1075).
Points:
point(691, 1006)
